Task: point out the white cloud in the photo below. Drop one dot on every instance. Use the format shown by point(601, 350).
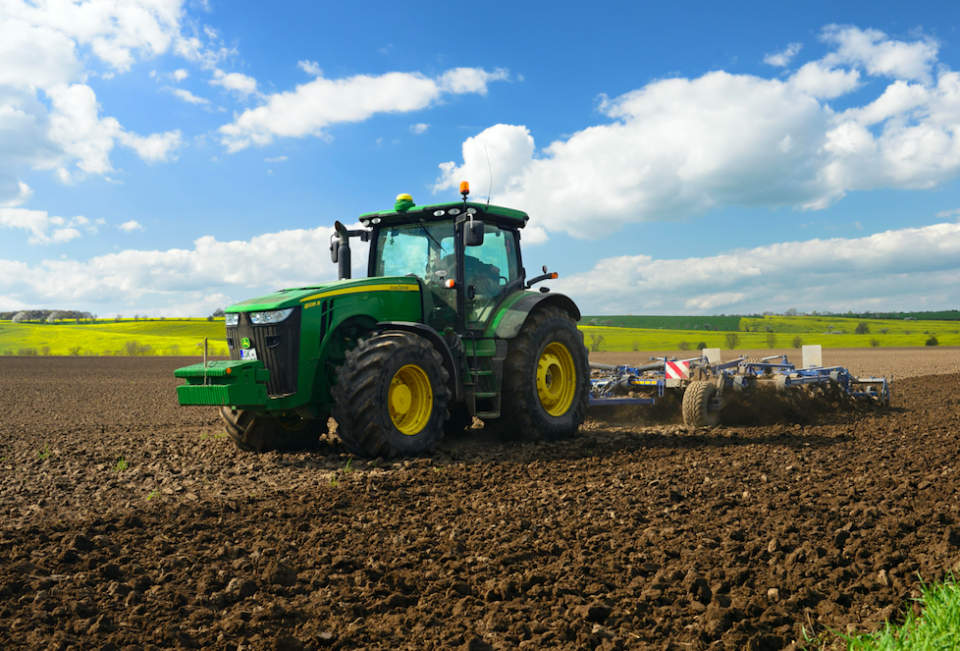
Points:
point(947, 214)
point(36, 56)
point(310, 67)
point(188, 97)
point(22, 197)
point(178, 278)
point(235, 81)
point(83, 136)
point(880, 55)
point(180, 74)
point(817, 80)
point(113, 29)
point(903, 269)
point(782, 59)
point(43, 228)
point(50, 117)
point(277, 159)
point(419, 128)
point(471, 80)
point(679, 147)
point(317, 104)
point(130, 226)
point(157, 147)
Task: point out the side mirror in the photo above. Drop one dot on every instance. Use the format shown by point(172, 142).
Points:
point(473, 232)
point(334, 248)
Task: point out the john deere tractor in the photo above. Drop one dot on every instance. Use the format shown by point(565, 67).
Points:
point(443, 329)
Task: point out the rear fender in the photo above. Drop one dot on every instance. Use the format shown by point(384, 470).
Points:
point(434, 337)
point(516, 314)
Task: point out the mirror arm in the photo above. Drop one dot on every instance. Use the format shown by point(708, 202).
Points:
point(541, 278)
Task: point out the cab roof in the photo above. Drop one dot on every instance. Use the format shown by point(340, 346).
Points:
point(516, 217)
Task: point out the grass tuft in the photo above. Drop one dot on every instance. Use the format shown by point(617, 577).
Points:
point(937, 628)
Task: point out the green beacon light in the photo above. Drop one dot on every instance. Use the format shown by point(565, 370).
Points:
point(404, 202)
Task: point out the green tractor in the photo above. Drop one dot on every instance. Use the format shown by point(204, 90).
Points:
point(445, 328)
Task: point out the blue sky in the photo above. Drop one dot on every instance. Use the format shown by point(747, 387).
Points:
point(168, 158)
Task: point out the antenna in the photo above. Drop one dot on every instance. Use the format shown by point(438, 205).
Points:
point(490, 167)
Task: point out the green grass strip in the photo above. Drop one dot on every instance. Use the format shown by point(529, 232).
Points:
point(937, 628)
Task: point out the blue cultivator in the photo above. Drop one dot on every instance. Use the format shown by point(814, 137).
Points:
point(702, 381)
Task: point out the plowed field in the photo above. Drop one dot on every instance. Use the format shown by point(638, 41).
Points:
point(633, 535)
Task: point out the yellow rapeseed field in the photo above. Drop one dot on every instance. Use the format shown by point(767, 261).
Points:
point(125, 337)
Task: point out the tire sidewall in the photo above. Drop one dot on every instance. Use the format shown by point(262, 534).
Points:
point(711, 417)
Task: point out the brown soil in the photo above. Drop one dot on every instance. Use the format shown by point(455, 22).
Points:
point(630, 536)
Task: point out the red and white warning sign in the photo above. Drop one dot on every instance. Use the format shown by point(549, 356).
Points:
point(678, 370)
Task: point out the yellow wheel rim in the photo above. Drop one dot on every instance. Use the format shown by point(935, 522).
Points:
point(410, 399)
point(556, 379)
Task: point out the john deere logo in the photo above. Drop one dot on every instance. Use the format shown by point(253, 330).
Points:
point(245, 342)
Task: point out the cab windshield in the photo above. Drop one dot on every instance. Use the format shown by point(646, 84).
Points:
point(417, 249)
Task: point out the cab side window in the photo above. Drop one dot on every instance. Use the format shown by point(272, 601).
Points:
point(488, 268)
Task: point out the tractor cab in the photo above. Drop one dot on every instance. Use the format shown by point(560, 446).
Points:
point(466, 257)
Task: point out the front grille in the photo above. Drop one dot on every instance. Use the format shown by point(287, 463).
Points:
point(277, 346)
point(326, 317)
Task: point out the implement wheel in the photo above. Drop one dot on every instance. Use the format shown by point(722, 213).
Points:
point(391, 396)
point(697, 401)
point(262, 433)
point(546, 379)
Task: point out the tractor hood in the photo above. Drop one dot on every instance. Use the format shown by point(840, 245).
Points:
point(292, 297)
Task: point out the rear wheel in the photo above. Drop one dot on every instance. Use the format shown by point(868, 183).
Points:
point(697, 402)
point(546, 379)
point(391, 396)
point(252, 432)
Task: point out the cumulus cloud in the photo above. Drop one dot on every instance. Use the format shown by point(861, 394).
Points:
point(234, 81)
point(275, 159)
point(49, 115)
point(782, 59)
point(905, 269)
point(679, 147)
point(130, 226)
point(84, 137)
point(35, 55)
point(880, 55)
point(173, 281)
point(180, 74)
point(115, 30)
point(43, 228)
point(470, 80)
point(419, 128)
point(315, 105)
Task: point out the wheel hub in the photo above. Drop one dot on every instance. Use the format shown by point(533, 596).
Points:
point(556, 379)
point(410, 399)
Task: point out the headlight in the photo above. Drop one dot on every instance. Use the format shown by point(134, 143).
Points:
point(232, 320)
point(266, 318)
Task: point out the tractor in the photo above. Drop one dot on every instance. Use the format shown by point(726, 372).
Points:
point(445, 328)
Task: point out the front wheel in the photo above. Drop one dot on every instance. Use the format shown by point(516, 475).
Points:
point(546, 379)
point(391, 396)
point(252, 432)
